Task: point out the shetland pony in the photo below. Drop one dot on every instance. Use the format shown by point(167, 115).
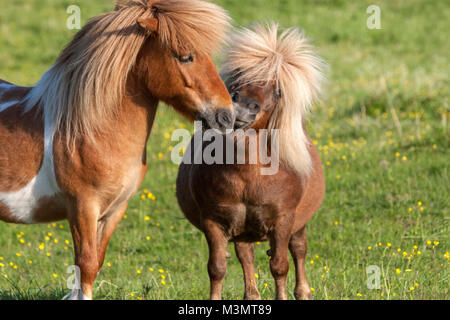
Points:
point(74, 146)
point(273, 80)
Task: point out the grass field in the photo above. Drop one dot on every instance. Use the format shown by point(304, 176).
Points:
point(383, 136)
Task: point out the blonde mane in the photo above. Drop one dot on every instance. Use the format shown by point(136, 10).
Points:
point(87, 84)
point(261, 55)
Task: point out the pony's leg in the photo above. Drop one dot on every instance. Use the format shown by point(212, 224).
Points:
point(279, 262)
point(105, 229)
point(217, 263)
point(246, 256)
point(298, 248)
point(83, 224)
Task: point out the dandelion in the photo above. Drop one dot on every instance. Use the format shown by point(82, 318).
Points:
point(369, 248)
point(48, 254)
point(163, 277)
point(256, 276)
point(415, 247)
point(388, 244)
point(419, 203)
point(416, 284)
point(147, 238)
point(150, 269)
point(397, 154)
point(409, 209)
point(436, 243)
point(55, 275)
point(108, 264)
point(18, 254)
point(312, 289)
point(404, 158)
point(398, 271)
point(22, 241)
point(66, 241)
point(312, 262)
point(359, 294)
point(161, 271)
point(411, 289)
point(163, 282)
point(405, 253)
point(429, 242)
point(336, 223)
point(419, 253)
point(143, 197)
point(138, 271)
point(147, 218)
point(265, 285)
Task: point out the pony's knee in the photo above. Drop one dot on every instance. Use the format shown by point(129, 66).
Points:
point(279, 267)
point(217, 269)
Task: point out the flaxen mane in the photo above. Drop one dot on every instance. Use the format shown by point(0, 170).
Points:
point(261, 55)
point(85, 86)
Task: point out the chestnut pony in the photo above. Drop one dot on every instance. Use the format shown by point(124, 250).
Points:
point(74, 146)
point(273, 80)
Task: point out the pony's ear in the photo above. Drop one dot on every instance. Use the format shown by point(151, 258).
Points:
point(149, 24)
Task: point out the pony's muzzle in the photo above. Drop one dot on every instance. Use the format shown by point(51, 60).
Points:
point(225, 119)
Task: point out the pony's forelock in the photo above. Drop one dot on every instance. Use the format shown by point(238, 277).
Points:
point(264, 55)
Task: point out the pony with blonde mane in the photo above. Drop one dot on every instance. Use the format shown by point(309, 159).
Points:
point(74, 146)
point(273, 78)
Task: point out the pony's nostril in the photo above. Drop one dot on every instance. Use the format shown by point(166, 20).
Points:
point(255, 107)
point(225, 119)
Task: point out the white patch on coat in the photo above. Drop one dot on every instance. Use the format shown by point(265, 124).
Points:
point(23, 202)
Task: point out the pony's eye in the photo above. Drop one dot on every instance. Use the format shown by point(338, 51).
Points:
point(186, 58)
point(235, 96)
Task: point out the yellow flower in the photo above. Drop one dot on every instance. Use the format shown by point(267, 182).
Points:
point(405, 253)
point(336, 223)
point(411, 289)
point(256, 276)
point(397, 154)
point(147, 218)
point(138, 271)
point(42, 246)
point(312, 289)
point(388, 244)
point(55, 240)
point(163, 276)
point(369, 248)
point(18, 254)
point(416, 284)
point(415, 247)
point(312, 262)
point(404, 158)
point(150, 269)
point(1, 265)
point(436, 243)
point(55, 275)
point(398, 271)
point(163, 282)
point(419, 253)
point(359, 294)
point(429, 242)
point(48, 254)
point(419, 203)
point(265, 285)
point(22, 241)
point(66, 241)
point(161, 271)
point(143, 197)
point(147, 237)
point(108, 264)
point(446, 255)
point(409, 209)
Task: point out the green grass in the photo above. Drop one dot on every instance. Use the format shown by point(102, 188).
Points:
point(383, 136)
